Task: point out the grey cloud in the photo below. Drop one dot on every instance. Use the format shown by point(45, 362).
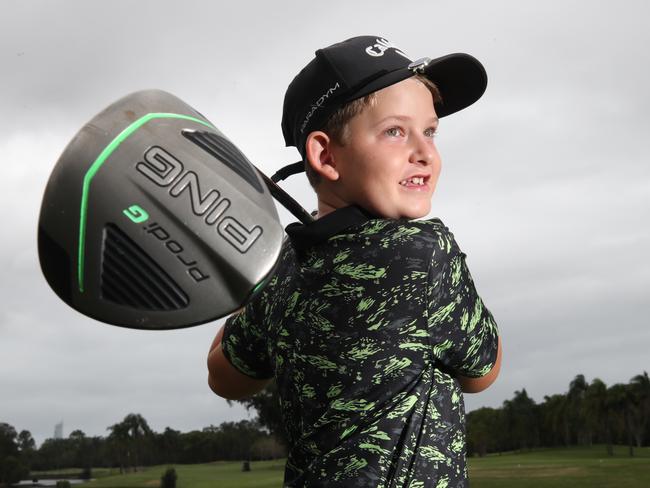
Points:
point(545, 181)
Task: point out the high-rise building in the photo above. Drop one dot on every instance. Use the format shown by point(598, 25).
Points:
point(58, 430)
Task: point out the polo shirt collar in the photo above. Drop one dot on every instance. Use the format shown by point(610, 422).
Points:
point(305, 236)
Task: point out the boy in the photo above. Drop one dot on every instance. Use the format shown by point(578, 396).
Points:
point(371, 325)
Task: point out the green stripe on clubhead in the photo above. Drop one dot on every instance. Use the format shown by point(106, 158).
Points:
point(108, 150)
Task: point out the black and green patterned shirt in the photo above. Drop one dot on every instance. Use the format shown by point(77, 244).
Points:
point(364, 325)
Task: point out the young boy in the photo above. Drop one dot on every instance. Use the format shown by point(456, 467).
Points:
point(371, 325)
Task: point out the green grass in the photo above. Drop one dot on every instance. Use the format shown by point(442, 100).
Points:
point(559, 468)
point(263, 474)
point(548, 468)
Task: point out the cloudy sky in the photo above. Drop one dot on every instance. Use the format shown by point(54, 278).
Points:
point(545, 183)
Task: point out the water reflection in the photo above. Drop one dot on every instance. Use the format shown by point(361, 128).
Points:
point(48, 482)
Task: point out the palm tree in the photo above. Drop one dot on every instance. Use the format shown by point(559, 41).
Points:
point(129, 436)
point(138, 431)
point(118, 441)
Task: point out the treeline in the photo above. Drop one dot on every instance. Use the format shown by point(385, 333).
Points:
point(588, 413)
point(131, 444)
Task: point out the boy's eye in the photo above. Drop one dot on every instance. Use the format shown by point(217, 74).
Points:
point(431, 132)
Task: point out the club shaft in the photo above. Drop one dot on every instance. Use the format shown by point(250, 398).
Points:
point(287, 201)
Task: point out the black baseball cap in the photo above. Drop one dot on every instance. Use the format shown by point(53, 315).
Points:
point(361, 65)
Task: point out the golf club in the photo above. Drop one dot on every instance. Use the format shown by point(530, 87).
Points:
point(153, 219)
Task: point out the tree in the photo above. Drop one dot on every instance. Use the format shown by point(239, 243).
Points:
point(12, 470)
point(197, 447)
point(26, 447)
point(521, 415)
point(11, 467)
point(267, 447)
point(78, 443)
point(484, 431)
point(118, 441)
point(169, 445)
point(239, 436)
point(139, 432)
point(8, 446)
point(597, 410)
point(554, 422)
point(131, 434)
point(269, 412)
point(619, 404)
point(639, 406)
point(53, 454)
point(26, 441)
point(576, 414)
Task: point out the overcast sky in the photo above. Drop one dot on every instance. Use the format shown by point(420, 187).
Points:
point(545, 182)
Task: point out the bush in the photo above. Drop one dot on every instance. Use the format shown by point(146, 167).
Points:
point(86, 474)
point(12, 470)
point(168, 479)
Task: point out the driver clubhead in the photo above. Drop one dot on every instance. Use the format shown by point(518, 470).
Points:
point(152, 219)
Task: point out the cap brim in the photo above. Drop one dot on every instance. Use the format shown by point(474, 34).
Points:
point(461, 79)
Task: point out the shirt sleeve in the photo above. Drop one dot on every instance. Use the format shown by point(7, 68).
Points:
point(463, 332)
point(245, 345)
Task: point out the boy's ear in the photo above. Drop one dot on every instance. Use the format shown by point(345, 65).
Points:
point(318, 150)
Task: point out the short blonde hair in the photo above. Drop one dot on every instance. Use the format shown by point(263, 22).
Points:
point(337, 125)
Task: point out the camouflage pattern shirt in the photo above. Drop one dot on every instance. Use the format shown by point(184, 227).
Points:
point(363, 325)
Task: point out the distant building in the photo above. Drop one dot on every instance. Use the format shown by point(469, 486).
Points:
point(58, 430)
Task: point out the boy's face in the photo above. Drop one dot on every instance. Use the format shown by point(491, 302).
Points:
point(387, 145)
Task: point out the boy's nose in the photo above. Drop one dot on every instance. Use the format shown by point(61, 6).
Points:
point(423, 150)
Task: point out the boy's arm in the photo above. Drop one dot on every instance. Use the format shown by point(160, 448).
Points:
point(476, 385)
point(465, 336)
point(224, 379)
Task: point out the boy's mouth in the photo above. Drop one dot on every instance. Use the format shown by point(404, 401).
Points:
point(415, 181)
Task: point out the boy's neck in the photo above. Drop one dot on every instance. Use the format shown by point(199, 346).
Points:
point(324, 208)
point(328, 201)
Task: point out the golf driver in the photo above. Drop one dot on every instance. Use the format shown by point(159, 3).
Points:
point(153, 219)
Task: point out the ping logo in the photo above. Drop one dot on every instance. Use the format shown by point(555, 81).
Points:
point(136, 213)
point(165, 170)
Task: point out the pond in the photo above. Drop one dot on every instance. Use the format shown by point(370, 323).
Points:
point(48, 482)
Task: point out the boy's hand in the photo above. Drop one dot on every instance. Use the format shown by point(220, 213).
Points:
point(476, 385)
